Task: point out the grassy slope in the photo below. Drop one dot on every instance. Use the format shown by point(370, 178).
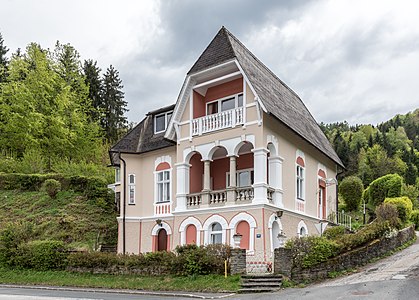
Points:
point(70, 217)
point(207, 283)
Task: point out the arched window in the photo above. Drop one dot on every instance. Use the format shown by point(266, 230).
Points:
point(216, 234)
point(191, 235)
point(302, 232)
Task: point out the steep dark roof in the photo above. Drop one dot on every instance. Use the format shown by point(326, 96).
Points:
point(279, 100)
point(141, 138)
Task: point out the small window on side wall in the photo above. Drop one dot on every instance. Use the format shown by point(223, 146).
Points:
point(131, 189)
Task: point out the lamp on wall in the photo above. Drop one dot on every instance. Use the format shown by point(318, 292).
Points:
point(237, 239)
point(279, 214)
point(158, 222)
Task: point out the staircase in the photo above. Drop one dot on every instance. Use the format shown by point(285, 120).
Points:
point(260, 283)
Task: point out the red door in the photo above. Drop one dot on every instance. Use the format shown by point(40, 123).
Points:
point(322, 202)
point(162, 240)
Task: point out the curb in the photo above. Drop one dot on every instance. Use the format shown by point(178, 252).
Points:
point(120, 291)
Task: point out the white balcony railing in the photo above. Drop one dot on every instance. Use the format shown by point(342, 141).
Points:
point(225, 119)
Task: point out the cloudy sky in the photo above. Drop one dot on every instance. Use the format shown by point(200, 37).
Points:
point(348, 60)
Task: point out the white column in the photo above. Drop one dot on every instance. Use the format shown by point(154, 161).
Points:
point(233, 182)
point(207, 175)
point(260, 181)
point(275, 178)
point(182, 185)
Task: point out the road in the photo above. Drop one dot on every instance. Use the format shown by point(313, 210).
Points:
point(395, 277)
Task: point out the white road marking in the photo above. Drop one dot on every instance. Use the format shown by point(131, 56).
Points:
point(25, 297)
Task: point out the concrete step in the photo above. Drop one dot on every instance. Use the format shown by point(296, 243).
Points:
point(261, 284)
point(276, 279)
point(257, 290)
point(263, 276)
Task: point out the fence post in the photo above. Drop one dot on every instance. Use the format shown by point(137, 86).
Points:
point(238, 261)
point(282, 261)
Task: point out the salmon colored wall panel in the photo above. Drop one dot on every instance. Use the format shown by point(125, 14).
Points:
point(243, 228)
point(198, 105)
point(163, 166)
point(321, 173)
point(219, 168)
point(191, 234)
point(196, 174)
point(300, 161)
point(245, 161)
point(224, 90)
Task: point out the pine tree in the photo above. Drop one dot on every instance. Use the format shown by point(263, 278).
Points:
point(92, 78)
point(3, 60)
point(113, 120)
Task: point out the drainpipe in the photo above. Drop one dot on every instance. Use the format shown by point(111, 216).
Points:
point(337, 196)
point(124, 204)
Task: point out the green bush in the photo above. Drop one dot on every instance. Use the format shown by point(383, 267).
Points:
point(11, 237)
point(363, 236)
point(311, 250)
point(51, 187)
point(351, 190)
point(334, 232)
point(388, 186)
point(404, 207)
point(388, 212)
point(415, 218)
point(41, 255)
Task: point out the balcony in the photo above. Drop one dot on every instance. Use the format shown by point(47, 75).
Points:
point(222, 120)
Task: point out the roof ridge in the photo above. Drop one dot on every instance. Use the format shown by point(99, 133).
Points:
point(259, 61)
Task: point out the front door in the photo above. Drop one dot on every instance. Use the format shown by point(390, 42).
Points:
point(322, 202)
point(162, 240)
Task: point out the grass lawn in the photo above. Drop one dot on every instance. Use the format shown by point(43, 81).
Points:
point(201, 283)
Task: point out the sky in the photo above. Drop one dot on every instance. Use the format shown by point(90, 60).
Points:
point(348, 60)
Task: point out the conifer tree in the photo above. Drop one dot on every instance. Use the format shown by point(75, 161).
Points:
point(92, 78)
point(3, 60)
point(113, 120)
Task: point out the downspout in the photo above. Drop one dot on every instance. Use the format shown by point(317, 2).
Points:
point(124, 204)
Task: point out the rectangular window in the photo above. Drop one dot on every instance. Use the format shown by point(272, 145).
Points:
point(117, 175)
point(163, 186)
point(131, 189)
point(243, 178)
point(300, 183)
point(161, 121)
point(225, 104)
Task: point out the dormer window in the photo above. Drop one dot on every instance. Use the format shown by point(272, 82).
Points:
point(161, 121)
point(224, 104)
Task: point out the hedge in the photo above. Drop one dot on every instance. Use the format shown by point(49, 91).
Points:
point(351, 190)
point(415, 218)
point(92, 187)
point(404, 207)
point(388, 186)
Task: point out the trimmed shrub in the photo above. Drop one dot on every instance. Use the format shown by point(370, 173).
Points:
point(351, 190)
point(363, 236)
point(388, 212)
point(404, 207)
point(415, 218)
point(51, 187)
point(334, 232)
point(311, 250)
point(41, 255)
point(388, 186)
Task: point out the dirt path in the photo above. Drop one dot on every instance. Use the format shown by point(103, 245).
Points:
point(398, 266)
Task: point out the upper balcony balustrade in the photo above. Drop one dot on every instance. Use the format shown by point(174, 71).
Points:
point(222, 120)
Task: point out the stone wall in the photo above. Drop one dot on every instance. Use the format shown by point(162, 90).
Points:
point(238, 261)
point(349, 260)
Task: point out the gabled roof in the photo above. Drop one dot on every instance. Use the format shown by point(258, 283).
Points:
point(279, 100)
point(141, 138)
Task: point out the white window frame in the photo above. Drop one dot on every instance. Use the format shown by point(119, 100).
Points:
point(163, 182)
point(250, 170)
point(213, 233)
point(117, 175)
point(300, 182)
point(236, 102)
point(131, 187)
point(166, 120)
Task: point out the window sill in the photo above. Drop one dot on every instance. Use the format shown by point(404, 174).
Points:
point(161, 202)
